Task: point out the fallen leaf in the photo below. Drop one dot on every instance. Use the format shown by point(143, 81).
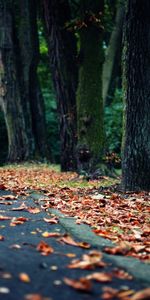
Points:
point(9, 197)
point(35, 297)
point(1, 238)
point(121, 274)
point(24, 277)
point(18, 221)
point(88, 261)
point(2, 187)
point(81, 284)
point(33, 210)
point(21, 207)
point(44, 248)
point(100, 277)
point(47, 234)
point(67, 239)
point(141, 295)
point(3, 218)
point(51, 221)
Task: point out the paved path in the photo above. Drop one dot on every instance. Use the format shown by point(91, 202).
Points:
point(18, 254)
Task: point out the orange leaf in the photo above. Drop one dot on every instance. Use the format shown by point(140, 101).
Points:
point(47, 234)
point(24, 277)
point(81, 284)
point(33, 297)
point(44, 248)
point(1, 237)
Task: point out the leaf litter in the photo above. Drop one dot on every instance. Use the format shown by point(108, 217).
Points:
point(121, 217)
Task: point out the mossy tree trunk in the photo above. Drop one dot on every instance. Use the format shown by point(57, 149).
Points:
point(19, 147)
point(62, 53)
point(136, 65)
point(112, 63)
point(31, 93)
point(89, 93)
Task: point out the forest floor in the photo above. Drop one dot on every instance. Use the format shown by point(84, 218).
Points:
point(62, 236)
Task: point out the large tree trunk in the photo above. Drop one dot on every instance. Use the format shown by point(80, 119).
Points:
point(112, 64)
point(33, 100)
point(62, 52)
point(136, 64)
point(89, 93)
point(19, 148)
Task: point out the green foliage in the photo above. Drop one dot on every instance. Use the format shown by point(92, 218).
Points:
point(49, 99)
point(113, 123)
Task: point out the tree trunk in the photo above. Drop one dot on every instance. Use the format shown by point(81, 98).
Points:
point(33, 100)
point(19, 148)
point(113, 54)
point(136, 64)
point(62, 52)
point(89, 93)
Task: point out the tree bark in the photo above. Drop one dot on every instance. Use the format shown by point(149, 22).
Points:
point(136, 65)
point(32, 97)
point(19, 148)
point(89, 93)
point(62, 53)
point(112, 61)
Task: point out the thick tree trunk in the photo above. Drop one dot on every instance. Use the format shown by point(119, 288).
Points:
point(19, 148)
point(33, 100)
point(62, 51)
point(112, 62)
point(89, 93)
point(136, 64)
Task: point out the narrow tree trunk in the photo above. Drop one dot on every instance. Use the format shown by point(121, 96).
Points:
point(62, 52)
point(89, 93)
point(19, 148)
point(113, 54)
point(136, 64)
point(33, 100)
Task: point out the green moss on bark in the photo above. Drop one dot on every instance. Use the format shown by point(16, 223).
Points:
point(89, 93)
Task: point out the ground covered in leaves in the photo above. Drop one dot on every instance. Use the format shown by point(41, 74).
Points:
point(120, 217)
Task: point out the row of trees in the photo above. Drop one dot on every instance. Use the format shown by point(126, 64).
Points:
point(75, 36)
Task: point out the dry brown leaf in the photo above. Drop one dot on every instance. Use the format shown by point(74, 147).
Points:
point(88, 261)
point(121, 274)
point(9, 197)
point(100, 277)
point(44, 248)
point(33, 210)
point(3, 218)
point(67, 239)
point(18, 221)
point(141, 295)
point(51, 220)
point(21, 207)
point(35, 297)
point(81, 284)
